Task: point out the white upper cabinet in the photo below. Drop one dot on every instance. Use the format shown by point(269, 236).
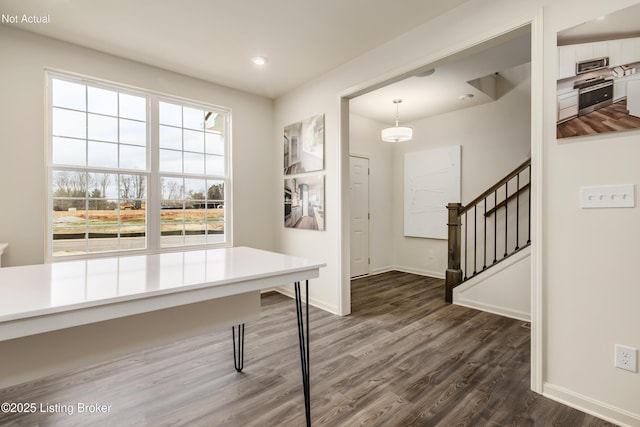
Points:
point(586, 51)
point(566, 61)
point(600, 49)
point(628, 51)
point(615, 53)
point(625, 51)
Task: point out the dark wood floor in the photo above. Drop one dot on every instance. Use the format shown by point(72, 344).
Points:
point(403, 358)
point(611, 118)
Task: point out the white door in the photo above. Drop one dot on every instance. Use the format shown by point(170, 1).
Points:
point(359, 186)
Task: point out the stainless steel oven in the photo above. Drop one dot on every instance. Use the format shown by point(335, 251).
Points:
point(594, 95)
point(592, 65)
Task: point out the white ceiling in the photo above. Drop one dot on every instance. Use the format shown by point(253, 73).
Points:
point(440, 92)
point(620, 24)
point(214, 39)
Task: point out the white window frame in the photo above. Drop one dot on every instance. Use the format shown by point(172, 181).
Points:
point(152, 173)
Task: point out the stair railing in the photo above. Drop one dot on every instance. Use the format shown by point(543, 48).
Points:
point(505, 211)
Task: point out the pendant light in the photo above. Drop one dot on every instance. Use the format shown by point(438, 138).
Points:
point(397, 133)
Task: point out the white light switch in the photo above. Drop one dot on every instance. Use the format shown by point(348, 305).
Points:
point(608, 196)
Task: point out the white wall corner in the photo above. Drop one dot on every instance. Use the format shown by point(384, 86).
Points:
point(381, 270)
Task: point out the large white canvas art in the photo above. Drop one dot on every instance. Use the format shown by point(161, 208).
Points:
point(431, 181)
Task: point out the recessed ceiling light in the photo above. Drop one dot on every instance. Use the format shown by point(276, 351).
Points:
point(600, 18)
point(259, 60)
point(465, 96)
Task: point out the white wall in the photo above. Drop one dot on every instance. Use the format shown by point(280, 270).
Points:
point(364, 137)
point(591, 292)
point(588, 277)
point(22, 138)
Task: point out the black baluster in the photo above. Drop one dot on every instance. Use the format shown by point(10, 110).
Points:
point(475, 237)
point(506, 205)
point(495, 226)
point(517, 212)
point(485, 234)
point(465, 245)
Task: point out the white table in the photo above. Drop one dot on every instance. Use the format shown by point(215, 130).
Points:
point(43, 299)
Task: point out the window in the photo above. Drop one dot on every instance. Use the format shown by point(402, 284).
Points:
point(192, 168)
point(133, 171)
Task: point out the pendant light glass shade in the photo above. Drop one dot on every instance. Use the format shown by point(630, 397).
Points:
point(397, 133)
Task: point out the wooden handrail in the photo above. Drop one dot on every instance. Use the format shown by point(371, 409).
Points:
point(494, 187)
point(510, 198)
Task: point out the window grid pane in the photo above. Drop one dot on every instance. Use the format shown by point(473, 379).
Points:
point(85, 122)
point(192, 211)
point(101, 213)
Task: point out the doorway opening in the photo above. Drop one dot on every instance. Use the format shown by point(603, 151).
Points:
point(502, 84)
point(478, 99)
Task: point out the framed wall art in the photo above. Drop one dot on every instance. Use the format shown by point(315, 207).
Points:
point(304, 146)
point(304, 202)
point(598, 86)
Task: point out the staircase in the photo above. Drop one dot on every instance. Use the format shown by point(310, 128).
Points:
point(490, 229)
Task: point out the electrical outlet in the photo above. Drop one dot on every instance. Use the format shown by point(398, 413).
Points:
point(626, 358)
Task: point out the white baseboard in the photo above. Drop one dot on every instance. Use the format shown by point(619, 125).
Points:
point(591, 406)
point(501, 311)
point(288, 291)
point(381, 270)
point(420, 272)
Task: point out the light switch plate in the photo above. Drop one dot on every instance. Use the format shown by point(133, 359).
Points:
point(608, 196)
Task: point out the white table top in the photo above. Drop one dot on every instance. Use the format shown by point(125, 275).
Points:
point(159, 280)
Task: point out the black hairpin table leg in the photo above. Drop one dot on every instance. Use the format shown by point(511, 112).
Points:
point(238, 350)
point(304, 346)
